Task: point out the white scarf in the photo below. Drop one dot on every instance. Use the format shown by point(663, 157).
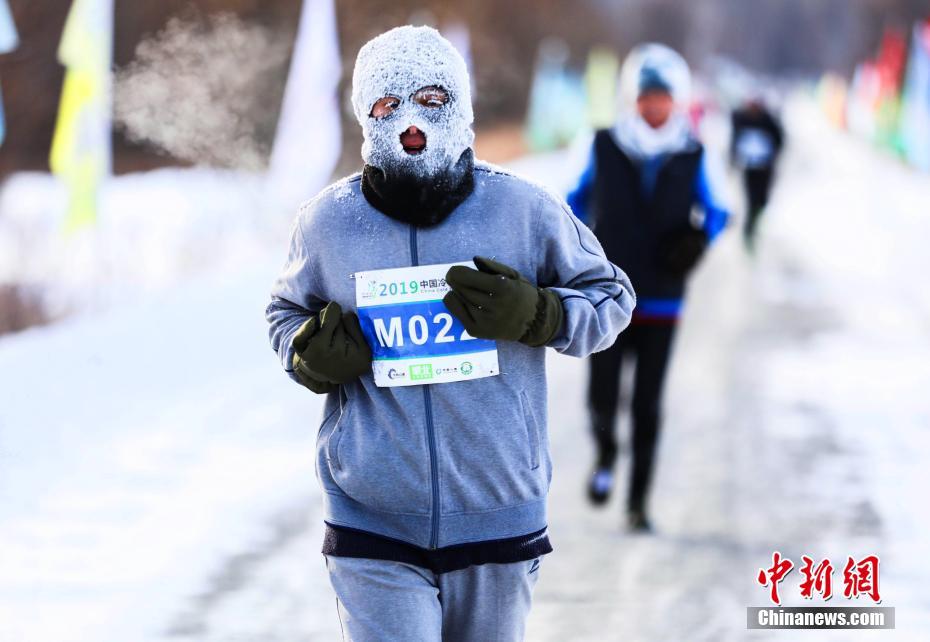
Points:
point(639, 140)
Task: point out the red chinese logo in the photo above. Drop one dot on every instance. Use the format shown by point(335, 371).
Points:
point(819, 579)
point(859, 578)
point(775, 574)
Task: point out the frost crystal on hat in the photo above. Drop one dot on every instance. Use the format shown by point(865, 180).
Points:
point(398, 63)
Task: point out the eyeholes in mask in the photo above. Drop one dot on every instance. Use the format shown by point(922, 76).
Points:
point(432, 97)
point(384, 107)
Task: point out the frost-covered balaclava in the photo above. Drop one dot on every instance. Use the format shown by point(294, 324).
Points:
point(398, 63)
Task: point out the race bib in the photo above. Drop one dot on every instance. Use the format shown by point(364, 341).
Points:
point(754, 148)
point(414, 339)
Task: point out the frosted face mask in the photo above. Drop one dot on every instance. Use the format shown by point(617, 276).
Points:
point(411, 94)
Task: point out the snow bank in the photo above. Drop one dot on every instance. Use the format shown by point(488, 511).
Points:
point(154, 229)
point(139, 451)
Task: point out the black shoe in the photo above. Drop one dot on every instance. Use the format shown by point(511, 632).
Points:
point(600, 485)
point(637, 521)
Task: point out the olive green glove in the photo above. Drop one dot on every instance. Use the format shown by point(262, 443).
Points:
point(329, 349)
point(495, 302)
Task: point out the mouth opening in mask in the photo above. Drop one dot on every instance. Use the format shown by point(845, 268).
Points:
point(413, 140)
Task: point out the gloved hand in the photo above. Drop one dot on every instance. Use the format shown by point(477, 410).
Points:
point(330, 349)
point(680, 252)
point(495, 302)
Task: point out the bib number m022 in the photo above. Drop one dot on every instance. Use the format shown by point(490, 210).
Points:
point(414, 339)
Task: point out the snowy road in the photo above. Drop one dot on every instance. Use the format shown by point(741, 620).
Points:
point(162, 493)
point(797, 420)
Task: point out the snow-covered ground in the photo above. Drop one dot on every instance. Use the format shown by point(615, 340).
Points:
point(797, 420)
point(154, 230)
point(156, 468)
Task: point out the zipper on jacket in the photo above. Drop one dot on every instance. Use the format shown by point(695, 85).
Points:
point(433, 467)
point(430, 428)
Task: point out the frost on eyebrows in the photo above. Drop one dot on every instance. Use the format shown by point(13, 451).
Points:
point(403, 60)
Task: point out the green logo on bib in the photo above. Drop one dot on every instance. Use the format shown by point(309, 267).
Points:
point(420, 372)
point(466, 367)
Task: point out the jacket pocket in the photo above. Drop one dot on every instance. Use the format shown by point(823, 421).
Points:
point(532, 430)
point(492, 448)
point(324, 438)
point(378, 460)
point(332, 446)
point(328, 420)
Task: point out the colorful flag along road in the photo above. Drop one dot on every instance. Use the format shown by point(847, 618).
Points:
point(81, 148)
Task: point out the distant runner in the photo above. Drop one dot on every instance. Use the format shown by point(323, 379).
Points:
point(755, 144)
point(645, 175)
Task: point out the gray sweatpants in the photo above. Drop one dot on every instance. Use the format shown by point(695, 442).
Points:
point(380, 601)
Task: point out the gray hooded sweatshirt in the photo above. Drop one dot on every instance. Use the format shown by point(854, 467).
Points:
point(451, 463)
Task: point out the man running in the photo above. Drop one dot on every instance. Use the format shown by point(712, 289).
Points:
point(435, 493)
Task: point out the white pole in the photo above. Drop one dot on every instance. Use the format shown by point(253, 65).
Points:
point(308, 140)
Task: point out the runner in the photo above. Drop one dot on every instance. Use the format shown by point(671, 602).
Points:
point(755, 145)
point(435, 493)
point(644, 176)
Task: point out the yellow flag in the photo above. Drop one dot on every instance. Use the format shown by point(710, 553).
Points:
point(80, 153)
point(600, 80)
